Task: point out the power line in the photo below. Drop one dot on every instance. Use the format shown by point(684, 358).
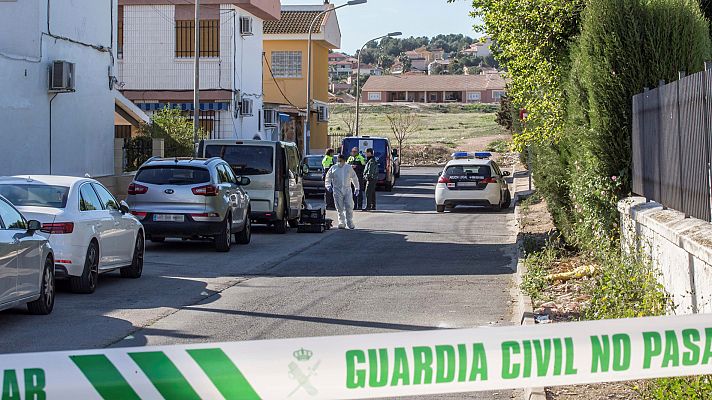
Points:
point(276, 83)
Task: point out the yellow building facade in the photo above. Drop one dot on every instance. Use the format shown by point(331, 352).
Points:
point(285, 71)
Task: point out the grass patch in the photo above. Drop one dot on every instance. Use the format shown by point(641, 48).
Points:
point(447, 123)
point(499, 146)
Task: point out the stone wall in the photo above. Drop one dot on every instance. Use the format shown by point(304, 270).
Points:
point(681, 248)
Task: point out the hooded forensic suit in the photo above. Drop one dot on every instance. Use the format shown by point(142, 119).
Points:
point(339, 179)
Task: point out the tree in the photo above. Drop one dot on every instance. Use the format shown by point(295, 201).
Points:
point(348, 117)
point(505, 114)
point(403, 124)
point(532, 41)
point(406, 61)
point(175, 128)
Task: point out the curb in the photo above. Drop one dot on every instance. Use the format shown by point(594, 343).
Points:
point(525, 307)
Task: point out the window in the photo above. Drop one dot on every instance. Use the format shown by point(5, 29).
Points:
point(374, 96)
point(245, 160)
point(474, 96)
point(88, 200)
point(10, 218)
point(173, 175)
point(34, 195)
point(497, 94)
point(120, 33)
point(107, 199)
point(223, 175)
point(209, 121)
point(209, 38)
point(287, 64)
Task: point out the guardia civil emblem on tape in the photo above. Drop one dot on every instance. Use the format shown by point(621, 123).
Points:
point(372, 366)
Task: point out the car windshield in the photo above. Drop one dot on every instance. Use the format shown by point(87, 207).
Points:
point(245, 160)
point(313, 162)
point(35, 195)
point(173, 175)
point(468, 170)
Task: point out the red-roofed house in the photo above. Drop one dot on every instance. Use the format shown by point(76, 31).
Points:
point(434, 89)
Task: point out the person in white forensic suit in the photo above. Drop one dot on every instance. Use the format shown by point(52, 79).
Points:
point(338, 181)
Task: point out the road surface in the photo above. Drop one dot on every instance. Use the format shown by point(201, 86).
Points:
point(404, 268)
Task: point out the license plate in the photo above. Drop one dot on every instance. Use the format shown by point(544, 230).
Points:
point(168, 218)
point(467, 184)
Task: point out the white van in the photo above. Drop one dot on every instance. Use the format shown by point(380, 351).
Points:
point(276, 189)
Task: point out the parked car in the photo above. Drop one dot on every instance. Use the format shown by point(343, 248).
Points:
point(191, 198)
point(276, 189)
point(314, 177)
point(472, 180)
point(388, 165)
point(26, 263)
point(89, 230)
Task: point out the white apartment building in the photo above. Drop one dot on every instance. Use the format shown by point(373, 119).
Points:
point(57, 103)
point(156, 60)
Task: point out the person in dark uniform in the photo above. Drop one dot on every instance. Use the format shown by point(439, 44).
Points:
point(371, 176)
point(358, 163)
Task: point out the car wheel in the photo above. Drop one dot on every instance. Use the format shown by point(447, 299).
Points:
point(223, 241)
point(440, 209)
point(157, 239)
point(45, 303)
point(245, 235)
point(86, 283)
point(135, 270)
point(507, 201)
point(280, 227)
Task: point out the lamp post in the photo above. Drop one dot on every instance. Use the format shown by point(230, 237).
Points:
point(196, 81)
point(358, 77)
point(307, 127)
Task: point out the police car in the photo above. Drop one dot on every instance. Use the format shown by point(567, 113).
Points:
point(472, 179)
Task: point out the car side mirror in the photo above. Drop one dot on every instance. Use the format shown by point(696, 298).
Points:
point(506, 173)
point(395, 153)
point(305, 169)
point(440, 174)
point(33, 226)
point(123, 207)
point(244, 181)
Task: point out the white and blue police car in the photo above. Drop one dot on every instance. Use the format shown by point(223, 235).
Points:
point(472, 179)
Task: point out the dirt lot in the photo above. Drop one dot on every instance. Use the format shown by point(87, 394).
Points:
point(442, 130)
point(562, 301)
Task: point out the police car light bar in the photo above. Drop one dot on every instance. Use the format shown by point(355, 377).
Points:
point(463, 155)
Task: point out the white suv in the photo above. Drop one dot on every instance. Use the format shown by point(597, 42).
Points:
point(472, 180)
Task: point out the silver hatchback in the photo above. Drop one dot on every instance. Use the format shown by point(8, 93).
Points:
point(191, 198)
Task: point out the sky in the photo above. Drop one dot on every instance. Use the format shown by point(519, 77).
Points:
point(412, 17)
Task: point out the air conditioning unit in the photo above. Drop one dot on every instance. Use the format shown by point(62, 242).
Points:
point(61, 76)
point(246, 26)
point(271, 118)
point(322, 114)
point(246, 107)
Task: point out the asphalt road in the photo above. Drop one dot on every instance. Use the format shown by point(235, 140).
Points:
point(404, 268)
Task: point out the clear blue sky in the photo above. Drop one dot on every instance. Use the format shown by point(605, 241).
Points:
point(412, 17)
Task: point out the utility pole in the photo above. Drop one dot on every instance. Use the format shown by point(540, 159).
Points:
point(196, 83)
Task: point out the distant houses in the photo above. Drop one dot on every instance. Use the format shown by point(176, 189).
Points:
point(488, 88)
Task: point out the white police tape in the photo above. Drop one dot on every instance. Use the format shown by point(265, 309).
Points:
point(371, 366)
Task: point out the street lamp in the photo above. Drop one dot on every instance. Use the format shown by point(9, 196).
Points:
point(307, 127)
point(358, 76)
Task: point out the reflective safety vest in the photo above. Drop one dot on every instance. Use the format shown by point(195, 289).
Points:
point(327, 162)
point(359, 159)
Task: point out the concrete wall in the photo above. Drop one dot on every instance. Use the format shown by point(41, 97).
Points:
point(82, 129)
point(681, 248)
point(149, 61)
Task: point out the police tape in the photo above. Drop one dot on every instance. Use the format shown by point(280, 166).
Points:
point(372, 366)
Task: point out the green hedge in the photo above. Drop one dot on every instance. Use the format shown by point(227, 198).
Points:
point(624, 46)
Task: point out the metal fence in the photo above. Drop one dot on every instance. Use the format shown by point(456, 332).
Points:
point(336, 139)
point(671, 144)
